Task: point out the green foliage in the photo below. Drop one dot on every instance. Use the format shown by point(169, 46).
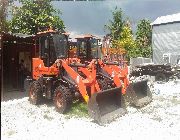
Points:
point(143, 38)
point(122, 36)
point(132, 47)
point(3, 15)
point(144, 33)
point(116, 25)
point(126, 42)
point(34, 16)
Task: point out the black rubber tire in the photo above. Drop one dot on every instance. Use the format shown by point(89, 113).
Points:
point(27, 85)
point(62, 99)
point(161, 77)
point(35, 93)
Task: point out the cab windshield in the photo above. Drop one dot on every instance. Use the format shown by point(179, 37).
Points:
point(95, 48)
point(60, 45)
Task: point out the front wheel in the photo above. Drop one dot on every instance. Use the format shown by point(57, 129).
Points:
point(35, 93)
point(62, 99)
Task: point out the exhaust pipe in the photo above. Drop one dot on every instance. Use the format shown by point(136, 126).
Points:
point(138, 93)
point(105, 106)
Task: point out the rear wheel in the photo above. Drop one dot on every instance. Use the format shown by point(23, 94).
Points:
point(62, 99)
point(35, 93)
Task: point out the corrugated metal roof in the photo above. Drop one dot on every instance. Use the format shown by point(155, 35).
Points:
point(87, 36)
point(84, 36)
point(167, 19)
point(20, 35)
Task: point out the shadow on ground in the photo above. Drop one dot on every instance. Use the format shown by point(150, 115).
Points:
point(13, 94)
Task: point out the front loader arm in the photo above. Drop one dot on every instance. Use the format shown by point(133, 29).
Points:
point(91, 76)
point(119, 75)
point(77, 78)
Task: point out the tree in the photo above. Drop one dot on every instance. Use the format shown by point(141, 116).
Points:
point(116, 25)
point(34, 16)
point(3, 15)
point(121, 34)
point(127, 42)
point(143, 37)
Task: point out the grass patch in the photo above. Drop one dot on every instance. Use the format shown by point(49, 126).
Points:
point(78, 109)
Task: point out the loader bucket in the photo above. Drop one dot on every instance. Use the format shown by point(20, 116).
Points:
point(107, 105)
point(138, 93)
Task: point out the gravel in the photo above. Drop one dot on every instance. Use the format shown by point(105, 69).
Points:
point(158, 120)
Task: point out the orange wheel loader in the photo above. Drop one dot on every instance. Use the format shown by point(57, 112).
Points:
point(57, 76)
point(111, 74)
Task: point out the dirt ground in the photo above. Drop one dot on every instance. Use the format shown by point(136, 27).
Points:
point(158, 120)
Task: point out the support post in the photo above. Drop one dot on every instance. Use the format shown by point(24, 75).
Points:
point(1, 65)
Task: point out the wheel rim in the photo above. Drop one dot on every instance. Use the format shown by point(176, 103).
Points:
point(59, 100)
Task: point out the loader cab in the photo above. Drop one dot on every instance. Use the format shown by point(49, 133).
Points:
point(87, 48)
point(52, 46)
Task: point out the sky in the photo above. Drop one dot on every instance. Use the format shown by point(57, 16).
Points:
point(90, 17)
